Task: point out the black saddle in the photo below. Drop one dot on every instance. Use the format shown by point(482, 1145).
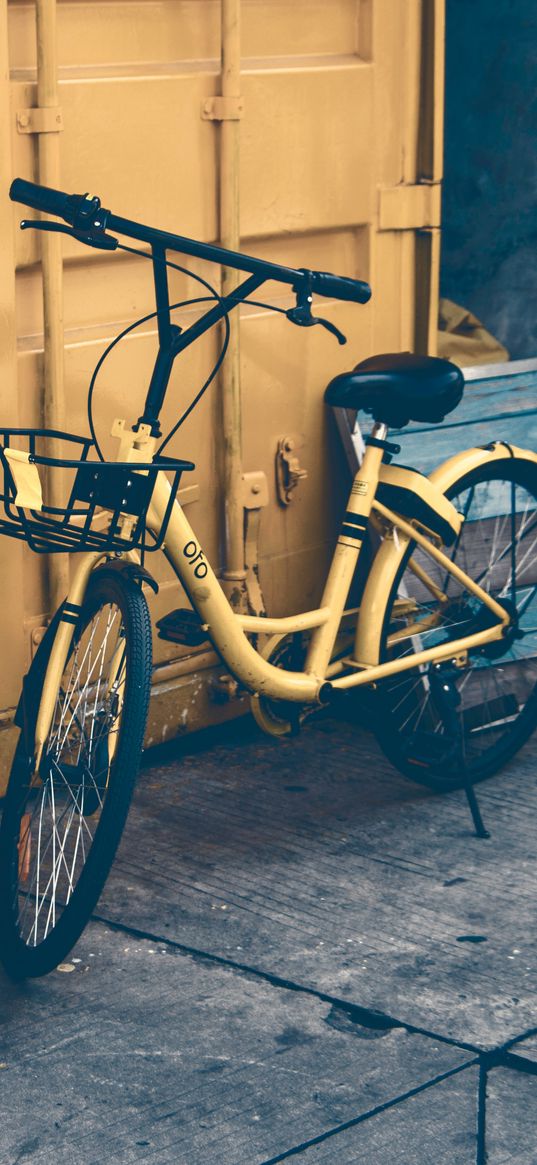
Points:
point(399, 388)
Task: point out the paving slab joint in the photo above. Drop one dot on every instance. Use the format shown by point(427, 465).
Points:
point(518, 1063)
point(293, 1152)
point(366, 1017)
point(501, 1057)
point(526, 1035)
point(481, 1146)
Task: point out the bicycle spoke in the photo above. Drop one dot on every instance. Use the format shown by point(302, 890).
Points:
point(58, 834)
point(488, 692)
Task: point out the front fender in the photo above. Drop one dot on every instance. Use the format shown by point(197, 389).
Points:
point(132, 570)
point(390, 554)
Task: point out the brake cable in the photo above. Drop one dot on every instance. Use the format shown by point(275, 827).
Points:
point(137, 323)
point(300, 314)
point(214, 295)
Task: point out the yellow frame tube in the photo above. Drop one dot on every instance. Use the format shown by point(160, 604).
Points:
point(60, 650)
point(344, 562)
point(370, 674)
point(207, 597)
point(228, 631)
point(389, 556)
point(414, 629)
point(285, 626)
point(420, 573)
point(414, 535)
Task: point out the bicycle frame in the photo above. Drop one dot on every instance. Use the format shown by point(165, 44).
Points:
point(84, 704)
point(229, 631)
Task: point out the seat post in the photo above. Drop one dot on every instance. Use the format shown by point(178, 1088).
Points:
point(351, 536)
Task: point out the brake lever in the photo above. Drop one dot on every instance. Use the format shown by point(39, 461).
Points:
point(301, 315)
point(101, 241)
point(330, 327)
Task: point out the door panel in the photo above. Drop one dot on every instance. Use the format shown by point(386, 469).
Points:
point(340, 170)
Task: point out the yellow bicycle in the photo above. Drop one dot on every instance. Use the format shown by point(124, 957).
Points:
point(443, 637)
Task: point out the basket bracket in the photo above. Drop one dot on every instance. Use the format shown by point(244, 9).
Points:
point(26, 478)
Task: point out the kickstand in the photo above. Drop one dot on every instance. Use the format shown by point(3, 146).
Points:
point(448, 702)
point(477, 819)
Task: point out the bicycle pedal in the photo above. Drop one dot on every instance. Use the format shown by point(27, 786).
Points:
point(182, 626)
point(427, 750)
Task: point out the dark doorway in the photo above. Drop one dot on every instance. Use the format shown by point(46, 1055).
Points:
point(489, 248)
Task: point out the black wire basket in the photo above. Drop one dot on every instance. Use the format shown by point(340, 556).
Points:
point(107, 501)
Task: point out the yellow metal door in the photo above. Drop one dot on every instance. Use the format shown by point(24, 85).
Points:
point(340, 144)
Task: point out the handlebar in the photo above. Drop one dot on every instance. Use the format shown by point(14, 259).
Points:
point(86, 215)
point(41, 198)
point(340, 287)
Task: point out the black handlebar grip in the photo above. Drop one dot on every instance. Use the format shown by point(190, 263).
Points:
point(340, 287)
point(40, 198)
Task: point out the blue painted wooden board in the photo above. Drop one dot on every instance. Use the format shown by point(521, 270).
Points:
point(503, 408)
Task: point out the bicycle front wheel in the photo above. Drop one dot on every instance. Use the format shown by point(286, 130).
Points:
point(62, 824)
point(461, 721)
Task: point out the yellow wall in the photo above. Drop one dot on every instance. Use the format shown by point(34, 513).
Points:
point(340, 166)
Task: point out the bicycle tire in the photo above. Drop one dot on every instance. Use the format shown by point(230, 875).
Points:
point(435, 726)
point(50, 882)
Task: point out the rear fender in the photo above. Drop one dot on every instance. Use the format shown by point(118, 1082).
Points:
point(391, 552)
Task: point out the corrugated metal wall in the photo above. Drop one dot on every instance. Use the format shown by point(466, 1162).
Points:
point(340, 170)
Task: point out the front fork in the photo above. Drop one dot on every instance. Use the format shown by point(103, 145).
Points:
point(63, 638)
point(133, 447)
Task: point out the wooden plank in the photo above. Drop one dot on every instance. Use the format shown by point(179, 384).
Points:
point(142, 1054)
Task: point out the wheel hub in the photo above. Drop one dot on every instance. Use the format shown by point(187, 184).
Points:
point(471, 622)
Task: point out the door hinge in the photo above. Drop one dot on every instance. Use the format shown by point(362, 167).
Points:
point(409, 208)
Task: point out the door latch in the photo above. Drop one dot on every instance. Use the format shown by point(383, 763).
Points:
point(288, 470)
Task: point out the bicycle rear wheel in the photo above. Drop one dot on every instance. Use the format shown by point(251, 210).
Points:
point(62, 824)
point(446, 724)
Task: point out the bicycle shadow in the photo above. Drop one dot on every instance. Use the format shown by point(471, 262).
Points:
point(243, 786)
